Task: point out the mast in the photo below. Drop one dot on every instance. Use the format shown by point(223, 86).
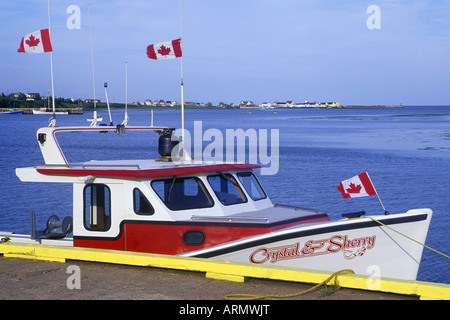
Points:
point(95, 120)
point(107, 103)
point(125, 120)
point(53, 121)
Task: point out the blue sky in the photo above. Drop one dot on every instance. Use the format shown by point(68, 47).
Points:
point(260, 50)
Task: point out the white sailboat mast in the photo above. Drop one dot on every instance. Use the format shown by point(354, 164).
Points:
point(125, 120)
point(95, 119)
point(107, 103)
point(53, 121)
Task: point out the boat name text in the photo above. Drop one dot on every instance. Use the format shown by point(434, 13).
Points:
point(350, 248)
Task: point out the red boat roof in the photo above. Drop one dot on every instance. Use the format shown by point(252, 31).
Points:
point(156, 172)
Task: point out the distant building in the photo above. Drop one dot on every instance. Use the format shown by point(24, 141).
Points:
point(247, 104)
point(266, 105)
point(330, 104)
point(282, 104)
point(92, 100)
point(31, 96)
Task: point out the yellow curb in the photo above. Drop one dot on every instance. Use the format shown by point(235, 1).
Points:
point(228, 277)
point(224, 270)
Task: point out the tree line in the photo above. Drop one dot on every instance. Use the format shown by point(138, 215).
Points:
point(20, 100)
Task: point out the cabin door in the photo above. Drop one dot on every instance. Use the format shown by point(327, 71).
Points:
point(97, 207)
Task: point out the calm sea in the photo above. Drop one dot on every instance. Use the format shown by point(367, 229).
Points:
point(406, 151)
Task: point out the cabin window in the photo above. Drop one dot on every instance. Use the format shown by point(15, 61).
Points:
point(183, 193)
point(227, 189)
point(141, 205)
point(97, 207)
point(251, 185)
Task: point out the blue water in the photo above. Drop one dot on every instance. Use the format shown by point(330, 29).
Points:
point(406, 152)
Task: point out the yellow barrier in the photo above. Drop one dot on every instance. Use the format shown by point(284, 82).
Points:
point(226, 270)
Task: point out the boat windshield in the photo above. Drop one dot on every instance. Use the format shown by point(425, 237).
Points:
point(227, 189)
point(251, 185)
point(183, 193)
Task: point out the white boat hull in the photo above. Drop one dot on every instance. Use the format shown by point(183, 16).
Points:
point(362, 245)
point(49, 112)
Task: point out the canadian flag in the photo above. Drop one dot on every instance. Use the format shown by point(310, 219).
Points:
point(357, 186)
point(165, 50)
point(36, 42)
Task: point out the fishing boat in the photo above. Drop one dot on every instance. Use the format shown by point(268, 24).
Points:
point(175, 206)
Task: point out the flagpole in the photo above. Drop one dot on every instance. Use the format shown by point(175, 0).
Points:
point(182, 85)
point(53, 122)
point(185, 156)
point(376, 192)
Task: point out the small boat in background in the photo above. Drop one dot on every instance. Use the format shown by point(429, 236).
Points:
point(12, 111)
point(44, 111)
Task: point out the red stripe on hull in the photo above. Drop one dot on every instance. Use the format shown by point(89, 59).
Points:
point(168, 238)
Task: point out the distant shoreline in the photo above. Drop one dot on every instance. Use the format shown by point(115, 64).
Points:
point(368, 107)
point(119, 106)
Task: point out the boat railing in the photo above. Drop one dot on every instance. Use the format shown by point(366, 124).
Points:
point(85, 166)
point(294, 207)
point(229, 218)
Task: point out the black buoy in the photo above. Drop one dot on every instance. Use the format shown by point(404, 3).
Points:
point(166, 143)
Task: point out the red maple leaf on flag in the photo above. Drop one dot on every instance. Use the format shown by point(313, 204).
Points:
point(32, 41)
point(353, 188)
point(164, 51)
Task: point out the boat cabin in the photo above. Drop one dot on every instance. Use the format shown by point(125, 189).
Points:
point(158, 205)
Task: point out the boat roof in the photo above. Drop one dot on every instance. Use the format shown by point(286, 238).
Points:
point(139, 169)
point(56, 166)
point(52, 152)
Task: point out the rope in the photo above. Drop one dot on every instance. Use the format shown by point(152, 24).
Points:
point(5, 239)
point(381, 223)
point(275, 297)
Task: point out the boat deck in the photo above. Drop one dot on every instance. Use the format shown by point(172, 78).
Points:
point(278, 215)
point(26, 239)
